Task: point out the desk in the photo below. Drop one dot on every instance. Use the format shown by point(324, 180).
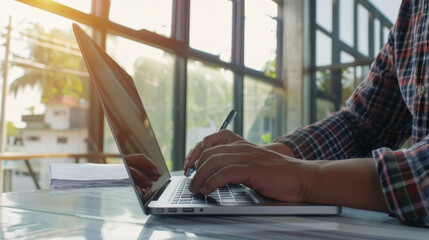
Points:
point(114, 213)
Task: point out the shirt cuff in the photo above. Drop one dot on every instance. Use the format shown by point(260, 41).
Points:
point(291, 141)
point(400, 184)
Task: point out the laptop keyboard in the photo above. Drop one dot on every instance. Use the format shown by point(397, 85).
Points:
point(228, 195)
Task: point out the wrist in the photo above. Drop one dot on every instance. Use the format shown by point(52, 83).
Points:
point(281, 148)
point(351, 183)
point(312, 178)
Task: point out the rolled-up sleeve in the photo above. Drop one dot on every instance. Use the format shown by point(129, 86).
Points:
point(375, 123)
point(375, 116)
point(405, 181)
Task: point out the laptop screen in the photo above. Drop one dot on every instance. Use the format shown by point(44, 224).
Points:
point(127, 119)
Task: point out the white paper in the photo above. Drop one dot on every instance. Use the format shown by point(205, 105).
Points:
point(64, 176)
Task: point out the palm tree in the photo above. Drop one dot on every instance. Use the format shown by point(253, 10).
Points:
point(56, 51)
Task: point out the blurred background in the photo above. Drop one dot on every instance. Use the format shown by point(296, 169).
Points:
point(280, 64)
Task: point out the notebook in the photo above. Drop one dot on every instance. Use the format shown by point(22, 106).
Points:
point(157, 191)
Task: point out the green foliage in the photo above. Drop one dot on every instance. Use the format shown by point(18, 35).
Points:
point(324, 84)
point(153, 80)
point(11, 130)
point(267, 138)
point(31, 109)
point(209, 95)
point(323, 81)
point(270, 68)
point(55, 56)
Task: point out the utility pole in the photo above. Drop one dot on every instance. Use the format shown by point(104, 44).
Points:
point(3, 102)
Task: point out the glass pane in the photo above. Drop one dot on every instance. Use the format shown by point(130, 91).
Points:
point(152, 15)
point(152, 72)
point(211, 27)
point(324, 108)
point(48, 90)
point(260, 35)
point(377, 42)
point(323, 49)
point(361, 73)
point(261, 111)
point(81, 5)
point(209, 100)
point(389, 8)
point(324, 14)
point(323, 81)
point(346, 58)
point(347, 83)
point(363, 16)
point(385, 34)
point(346, 21)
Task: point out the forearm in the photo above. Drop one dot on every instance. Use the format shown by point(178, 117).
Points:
point(350, 183)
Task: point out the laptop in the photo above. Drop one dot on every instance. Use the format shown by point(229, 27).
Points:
point(157, 191)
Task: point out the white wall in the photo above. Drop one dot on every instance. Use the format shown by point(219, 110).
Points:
point(58, 117)
point(48, 141)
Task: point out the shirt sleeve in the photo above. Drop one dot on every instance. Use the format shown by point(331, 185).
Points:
point(405, 181)
point(375, 117)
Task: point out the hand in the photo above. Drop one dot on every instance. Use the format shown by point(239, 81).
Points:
point(220, 138)
point(274, 175)
point(142, 170)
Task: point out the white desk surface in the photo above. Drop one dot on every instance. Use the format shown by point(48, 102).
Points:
point(114, 213)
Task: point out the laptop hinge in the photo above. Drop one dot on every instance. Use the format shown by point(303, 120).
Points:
point(157, 194)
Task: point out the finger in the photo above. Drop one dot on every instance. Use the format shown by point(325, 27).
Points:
point(232, 174)
point(192, 156)
point(199, 148)
point(219, 138)
point(229, 148)
point(213, 164)
point(143, 164)
point(186, 158)
point(141, 179)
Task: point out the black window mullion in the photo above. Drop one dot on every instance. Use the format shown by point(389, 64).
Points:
point(238, 59)
point(313, 89)
point(279, 50)
point(381, 36)
point(355, 26)
point(100, 9)
point(278, 127)
point(180, 32)
point(371, 39)
point(336, 86)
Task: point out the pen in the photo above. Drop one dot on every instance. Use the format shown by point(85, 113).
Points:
point(224, 125)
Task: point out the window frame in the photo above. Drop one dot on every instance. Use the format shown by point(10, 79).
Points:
point(336, 66)
point(177, 45)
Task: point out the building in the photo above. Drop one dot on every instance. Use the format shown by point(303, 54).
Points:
point(62, 128)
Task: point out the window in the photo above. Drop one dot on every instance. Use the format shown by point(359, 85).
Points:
point(188, 59)
point(62, 140)
point(33, 138)
point(152, 72)
point(260, 35)
point(81, 5)
point(262, 111)
point(348, 35)
point(151, 15)
point(211, 28)
point(59, 113)
point(44, 65)
point(209, 100)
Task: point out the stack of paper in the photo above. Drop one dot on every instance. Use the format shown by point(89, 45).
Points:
point(66, 176)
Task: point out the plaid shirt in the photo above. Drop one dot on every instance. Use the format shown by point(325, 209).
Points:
point(388, 107)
